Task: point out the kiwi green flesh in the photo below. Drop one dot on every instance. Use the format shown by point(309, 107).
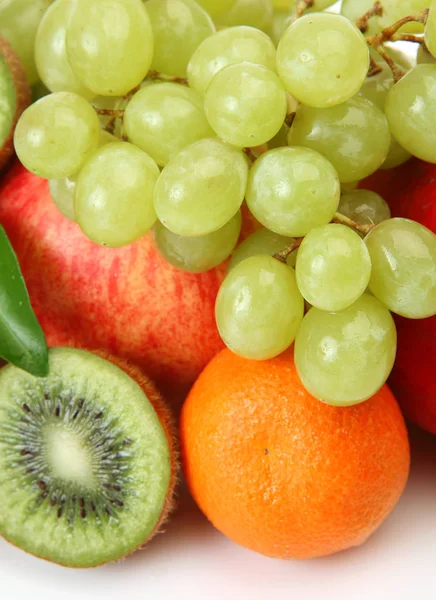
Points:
point(85, 464)
point(8, 101)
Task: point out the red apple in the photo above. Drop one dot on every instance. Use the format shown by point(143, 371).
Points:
point(127, 301)
point(411, 193)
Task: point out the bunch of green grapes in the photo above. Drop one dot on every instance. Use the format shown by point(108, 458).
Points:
point(167, 115)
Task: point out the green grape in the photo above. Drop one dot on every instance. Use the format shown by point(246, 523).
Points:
point(254, 13)
point(322, 59)
point(290, 5)
point(62, 190)
point(397, 155)
point(411, 112)
point(245, 104)
point(403, 255)
point(355, 9)
point(51, 54)
point(19, 20)
point(62, 193)
point(163, 119)
point(262, 241)
point(345, 357)
point(333, 267)
point(259, 308)
point(353, 136)
point(364, 207)
point(280, 22)
point(56, 135)
point(201, 253)
point(228, 47)
point(109, 44)
point(394, 10)
point(8, 102)
point(114, 195)
point(430, 33)
point(179, 27)
point(216, 7)
point(292, 190)
point(376, 88)
point(201, 188)
point(424, 56)
point(280, 140)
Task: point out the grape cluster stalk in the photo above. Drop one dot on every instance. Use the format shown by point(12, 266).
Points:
point(181, 116)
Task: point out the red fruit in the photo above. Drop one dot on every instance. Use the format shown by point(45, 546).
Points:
point(411, 193)
point(128, 301)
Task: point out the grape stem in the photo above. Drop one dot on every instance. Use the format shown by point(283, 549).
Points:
point(375, 11)
point(250, 154)
point(343, 220)
point(391, 34)
point(408, 37)
point(283, 255)
point(156, 75)
point(302, 6)
point(374, 68)
point(110, 112)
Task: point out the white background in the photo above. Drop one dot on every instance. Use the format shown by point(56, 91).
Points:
point(193, 561)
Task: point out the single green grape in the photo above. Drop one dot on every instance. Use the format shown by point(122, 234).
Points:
point(228, 47)
point(245, 104)
point(364, 207)
point(394, 10)
point(201, 188)
point(333, 267)
point(430, 32)
point(164, 118)
point(179, 27)
point(280, 22)
point(293, 190)
point(345, 357)
point(254, 13)
point(353, 136)
point(216, 7)
point(114, 195)
point(51, 53)
point(19, 21)
point(376, 88)
point(262, 241)
point(403, 255)
point(55, 136)
point(322, 59)
point(201, 253)
point(259, 308)
point(355, 9)
point(424, 56)
point(109, 44)
point(62, 193)
point(411, 112)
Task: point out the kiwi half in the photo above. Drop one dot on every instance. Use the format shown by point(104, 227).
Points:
point(15, 96)
point(87, 459)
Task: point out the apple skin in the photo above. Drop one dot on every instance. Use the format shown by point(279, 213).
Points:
point(410, 191)
point(23, 92)
point(128, 301)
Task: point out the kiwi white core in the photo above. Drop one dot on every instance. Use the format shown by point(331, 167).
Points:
point(68, 457)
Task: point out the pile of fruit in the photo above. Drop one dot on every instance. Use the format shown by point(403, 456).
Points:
point(202, 174)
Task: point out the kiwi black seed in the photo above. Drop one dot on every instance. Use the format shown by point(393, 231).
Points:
point(87, 459)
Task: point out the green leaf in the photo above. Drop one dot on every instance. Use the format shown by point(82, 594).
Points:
point(22, 340)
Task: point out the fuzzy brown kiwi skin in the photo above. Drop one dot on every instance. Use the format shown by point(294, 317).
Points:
point(23, 92)
point(166, 420)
